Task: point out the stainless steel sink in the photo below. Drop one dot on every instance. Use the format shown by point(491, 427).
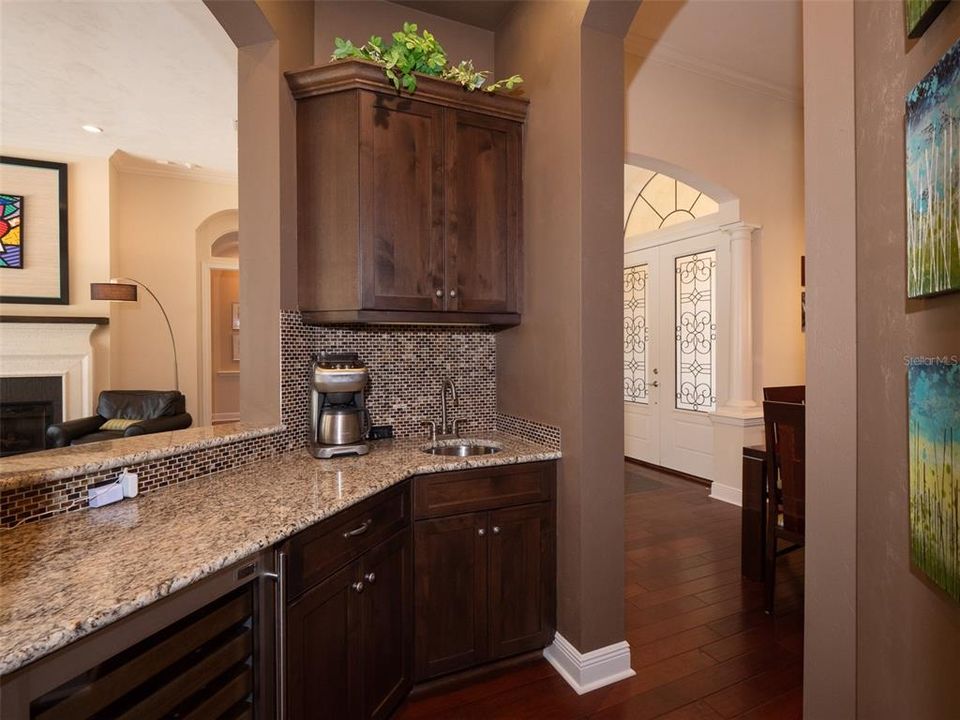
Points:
point(465, 449)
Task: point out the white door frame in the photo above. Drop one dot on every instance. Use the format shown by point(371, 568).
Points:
point(206, 330)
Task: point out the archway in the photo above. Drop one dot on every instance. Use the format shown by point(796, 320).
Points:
point(218, 270)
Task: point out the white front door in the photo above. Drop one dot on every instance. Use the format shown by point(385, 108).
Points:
point(670, 358)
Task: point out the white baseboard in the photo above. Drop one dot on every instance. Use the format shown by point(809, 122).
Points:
point(727, 494)
point(588, 671)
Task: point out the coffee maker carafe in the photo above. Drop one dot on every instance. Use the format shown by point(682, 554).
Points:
point(339, 419)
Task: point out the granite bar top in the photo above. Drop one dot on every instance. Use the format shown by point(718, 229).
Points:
point(64, 577)
point(38, 467)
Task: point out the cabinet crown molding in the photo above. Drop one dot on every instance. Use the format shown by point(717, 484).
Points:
point(361, 74)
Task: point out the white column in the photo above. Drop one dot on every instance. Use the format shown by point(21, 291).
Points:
point(740, 388)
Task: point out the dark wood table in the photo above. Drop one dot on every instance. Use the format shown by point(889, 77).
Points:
point(753, 511)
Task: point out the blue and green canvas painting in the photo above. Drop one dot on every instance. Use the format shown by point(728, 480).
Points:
point(933, 180)
point(934, 405)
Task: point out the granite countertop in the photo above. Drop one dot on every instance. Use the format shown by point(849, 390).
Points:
point(38, 467)
point(64, 577)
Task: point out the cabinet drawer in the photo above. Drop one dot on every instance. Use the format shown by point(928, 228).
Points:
point(320, 550)
point(483, 489)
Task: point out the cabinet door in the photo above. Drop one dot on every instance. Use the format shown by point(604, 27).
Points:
point(483, 190)
point(322, 669)
point(450, 594)
point(386, 626)
point(522, 579)
point(401, 203)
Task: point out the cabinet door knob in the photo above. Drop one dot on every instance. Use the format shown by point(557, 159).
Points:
point(453, 293)
point(370, 577)
point(481, 532)
point(496, 529)
point(358, 586)
point(439, 292)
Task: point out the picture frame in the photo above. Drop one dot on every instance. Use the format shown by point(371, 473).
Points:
point(932, 180)
point(235, 323)
point(43, 275)
point(918, 15)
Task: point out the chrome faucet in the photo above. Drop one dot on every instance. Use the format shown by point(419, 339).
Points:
point(444, 428)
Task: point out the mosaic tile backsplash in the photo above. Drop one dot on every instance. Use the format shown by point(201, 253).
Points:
point(407, 366)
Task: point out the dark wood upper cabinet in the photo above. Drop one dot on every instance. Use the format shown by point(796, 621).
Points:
point(401, 201)
point(482, 230)
point(409, 207)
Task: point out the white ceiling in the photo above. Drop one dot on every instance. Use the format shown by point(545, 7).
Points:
point(757, 39)
point(160, 78)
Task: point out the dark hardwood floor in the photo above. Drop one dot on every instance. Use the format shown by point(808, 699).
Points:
point(700, 642)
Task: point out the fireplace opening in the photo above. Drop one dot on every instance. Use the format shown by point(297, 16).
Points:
point(28, 406)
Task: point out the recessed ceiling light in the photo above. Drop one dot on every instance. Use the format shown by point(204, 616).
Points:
point(163, 162)
point(92, 129)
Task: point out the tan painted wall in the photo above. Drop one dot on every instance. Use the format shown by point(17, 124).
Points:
point(224, 292)
point(908, 632)
point(88, 228)
point(752, 145)
point(154, 236)
point(563, 364)
point(830, 554)
point(357, 20)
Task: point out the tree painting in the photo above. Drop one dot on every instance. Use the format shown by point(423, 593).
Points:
point(934, 405)
point(933, 180)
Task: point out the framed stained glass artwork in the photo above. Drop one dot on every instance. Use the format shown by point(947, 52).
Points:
point(33, 232)
point(11, 231)
point(933, 180)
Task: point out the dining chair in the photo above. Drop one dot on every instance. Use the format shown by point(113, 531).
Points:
point(786, 393)
point(785, 486)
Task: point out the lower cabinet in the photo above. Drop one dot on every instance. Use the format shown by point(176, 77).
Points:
point(347, 638)
point(484, 580)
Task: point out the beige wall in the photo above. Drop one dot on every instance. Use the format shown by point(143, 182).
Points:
point(88, 228)
point(225, 383)
point(564, 363)
point(154, 236)
point(908, 632)
point(830, 554)
point(752, 145)
point(357, 20)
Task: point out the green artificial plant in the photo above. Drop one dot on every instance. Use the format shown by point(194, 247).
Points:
point(411, 53)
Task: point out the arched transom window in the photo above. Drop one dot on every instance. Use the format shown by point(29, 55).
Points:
point(653, 200)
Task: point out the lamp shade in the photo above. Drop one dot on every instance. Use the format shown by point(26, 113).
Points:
point(113, 291)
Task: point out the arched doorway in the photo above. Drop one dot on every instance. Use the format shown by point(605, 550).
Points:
point(218, 266)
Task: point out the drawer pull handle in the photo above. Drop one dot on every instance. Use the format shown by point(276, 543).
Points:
point(496, 529)
point(359, 530)
point(358, 586)
point(370, 578)
point(481, 532)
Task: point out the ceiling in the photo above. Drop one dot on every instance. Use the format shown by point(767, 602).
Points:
point(160, 78)
point(479, 13)
point(756, 39)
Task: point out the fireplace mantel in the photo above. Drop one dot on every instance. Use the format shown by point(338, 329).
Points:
point(60, 347)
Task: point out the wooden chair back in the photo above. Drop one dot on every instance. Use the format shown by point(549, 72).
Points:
point(786, 393)
point(786, 467)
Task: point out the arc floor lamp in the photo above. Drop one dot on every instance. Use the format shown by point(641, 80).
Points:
point(124, 289)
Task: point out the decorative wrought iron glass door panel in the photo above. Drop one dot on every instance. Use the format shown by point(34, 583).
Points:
point(635, 332)
point(696, 331)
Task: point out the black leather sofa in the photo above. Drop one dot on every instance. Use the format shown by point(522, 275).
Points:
point(154, 410)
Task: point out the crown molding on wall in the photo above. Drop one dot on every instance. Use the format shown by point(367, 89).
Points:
point(126, 163)
point(667, 55)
